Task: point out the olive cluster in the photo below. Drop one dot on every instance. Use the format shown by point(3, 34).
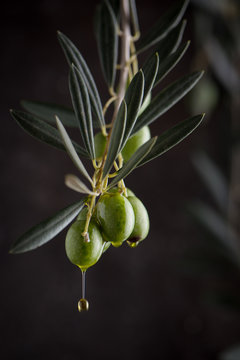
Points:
point(117, 217)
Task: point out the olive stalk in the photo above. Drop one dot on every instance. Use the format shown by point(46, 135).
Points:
point(127, 49)
point(124, 68)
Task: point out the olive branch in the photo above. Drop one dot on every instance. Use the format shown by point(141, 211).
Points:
point(119, 43)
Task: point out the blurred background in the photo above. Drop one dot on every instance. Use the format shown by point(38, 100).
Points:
point(177, 295)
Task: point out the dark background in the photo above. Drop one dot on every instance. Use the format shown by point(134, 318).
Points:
point(143, 301)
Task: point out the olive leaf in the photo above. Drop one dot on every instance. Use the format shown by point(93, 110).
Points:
point(217, 225)
point(167, 98)
point(170, 43)
point(134, 16)
point(71, 151)
point(165, 24)
point(170, 62)
point(82, 109)
point(116, 138)
point(73, 56)
point(106, 31)
point(43, 131)
point(213, 179)
point(133, 162)
point(150, 70)
point(172, 137)
point(47, 229)
point(47, 112)
point(74, 183)
point(133, 99)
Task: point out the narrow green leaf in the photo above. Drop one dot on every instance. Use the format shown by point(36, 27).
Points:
point(167, 98)
point(213, 179)
point(82, 109)
point(170, 43)
point(172, 137)
point(133, 162)
point(165, 24)
point(73, 56)
point(134, 16)
point(106, 29)
point(43, 131)
point(116, 138)
point(218, 227)
point(150, 70)
point(115, 5)
point(170, 62)
point(232, 353)
point(71, 151)
point(133, 98)
point(47, 112)
point(46, 230)
point(74, 183)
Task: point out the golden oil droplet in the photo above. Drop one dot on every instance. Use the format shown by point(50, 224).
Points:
point(83, 305)
point(132, 244)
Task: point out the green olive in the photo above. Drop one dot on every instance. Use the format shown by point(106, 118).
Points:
point(80, 252)
point(83, 214)
point(118, 190)
point(141, 226)
point(135, 141)
point(100, 142)
point(116, 217)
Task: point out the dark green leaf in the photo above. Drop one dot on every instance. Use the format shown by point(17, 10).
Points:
point(134, 16)
point(81, 105)
point(171, 42)
point(167, 98)
point(218, 227)
point(74, 57)
point(213, 179)
point(43, 131)
point(232, 353)
point(166, 23)
point(133, 98)
point(46, 230)
point(133, 162)
point(106, 29)
point(116, 138)
point(150, 70)
point(172, 137)
point(115, 5)
point(47, 112)
point(71, 150)
point(170, 62)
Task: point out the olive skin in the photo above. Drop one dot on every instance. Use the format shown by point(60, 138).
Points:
point(116, 217)
point(81, 253)
point(82, 216)
point(117, 190)
point(135, 141)
point(141, 226)
point(100, 142)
